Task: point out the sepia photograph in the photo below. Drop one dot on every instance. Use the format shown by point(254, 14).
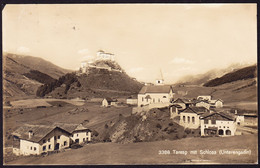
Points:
point(129, 84)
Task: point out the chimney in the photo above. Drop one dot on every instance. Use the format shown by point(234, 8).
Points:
point(30, 134)
point(236, 112)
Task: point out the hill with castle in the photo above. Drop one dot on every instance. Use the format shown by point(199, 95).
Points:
point(101, 77)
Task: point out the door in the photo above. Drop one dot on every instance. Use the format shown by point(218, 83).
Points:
point(57, 146)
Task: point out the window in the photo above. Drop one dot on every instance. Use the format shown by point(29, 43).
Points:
point(146, 100)
point(44, 141)
point(55, 138)
point(188, 119)
point(183, 118)
point(142, 99)
point(193, 120)
point(77, 135)
point(31, 148)
point(65, 143)
point(164, 96)
point(34, 148)
point(213, 121)
point(83, 139)
point(59, 137)
point(49, 146)
point(206, 121)
point(44, 148)
point(224, 127)
point(158, 99)
point(154, 100)
point(49, 140)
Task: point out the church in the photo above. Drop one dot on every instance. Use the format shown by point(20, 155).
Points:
point(157, 95)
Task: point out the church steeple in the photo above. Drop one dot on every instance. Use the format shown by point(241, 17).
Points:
point(160, 81)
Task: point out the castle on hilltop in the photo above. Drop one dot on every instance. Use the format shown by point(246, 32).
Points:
point(101, 56)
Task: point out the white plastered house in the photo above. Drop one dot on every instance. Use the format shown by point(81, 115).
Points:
point(37, 139)
point(155, 95)
point(190, 117)
point(79, 133)
point(218, 124)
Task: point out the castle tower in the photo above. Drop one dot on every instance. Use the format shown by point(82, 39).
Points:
point(101, 55)
point(83, 66)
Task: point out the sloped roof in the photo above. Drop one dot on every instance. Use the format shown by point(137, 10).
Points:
point(39, 131)
point(205, 101)
point(183, 100)
point(70, 127)
point(110, 99)
point(155, 89)
point(214, 101)
point(176, 105)
point(197, 110)
point(148, 97)
point(222, 114)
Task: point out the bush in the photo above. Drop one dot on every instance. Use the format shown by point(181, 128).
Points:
point(106, 126)
point(159, 126)
point(137, 139)
point(187, 131)
point(180, 135)
point(170, 124)
point(75, 146)
point(95, 133)
point(78, 84)
point(107, 138)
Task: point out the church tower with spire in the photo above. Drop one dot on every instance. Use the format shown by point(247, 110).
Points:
point(160, 81)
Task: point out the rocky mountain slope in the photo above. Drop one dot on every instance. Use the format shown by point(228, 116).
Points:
point(22, 75)
point(155, 125)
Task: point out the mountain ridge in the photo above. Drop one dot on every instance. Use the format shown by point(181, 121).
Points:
point(22, 75)
point(200, 79)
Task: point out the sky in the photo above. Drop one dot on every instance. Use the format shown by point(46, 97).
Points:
point(177, 39)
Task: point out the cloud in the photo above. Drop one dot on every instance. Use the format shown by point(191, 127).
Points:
point(23, 49)
point(87, 58)
point(181, 61)
point(136, 69)
point(83, 51)
point(182, 69)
